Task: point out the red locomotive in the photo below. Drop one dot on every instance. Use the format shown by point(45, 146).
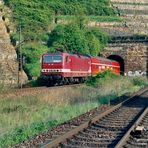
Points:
point(65, 68)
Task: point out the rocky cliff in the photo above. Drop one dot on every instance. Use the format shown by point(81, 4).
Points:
point(8, 56)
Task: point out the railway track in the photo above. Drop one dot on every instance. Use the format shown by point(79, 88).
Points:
point(32, 91)
point(104, 130)
point(137, 136)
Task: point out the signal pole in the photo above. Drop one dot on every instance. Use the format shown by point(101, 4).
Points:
point(20, 64)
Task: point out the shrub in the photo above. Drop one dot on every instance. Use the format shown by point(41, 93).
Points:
point(140, 81)
point(32, 53)
point(100, 77)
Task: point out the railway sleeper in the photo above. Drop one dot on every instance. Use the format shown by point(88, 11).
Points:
point(119, 124)
point(137, 144)
point(107, 139)
point(133, 146)
point(100, 135)
point(112, 128)
point(86, 132)
point(89, 144)
point(113, 121)
point(107, 130)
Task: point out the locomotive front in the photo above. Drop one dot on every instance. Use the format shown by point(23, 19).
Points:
point(52, 65)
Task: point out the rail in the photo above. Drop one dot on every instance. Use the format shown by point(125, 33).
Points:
point(62, 138)
point(122, 142)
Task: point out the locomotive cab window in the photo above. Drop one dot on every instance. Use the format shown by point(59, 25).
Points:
point(52, 59)
point(47, 59)
point(57, 59)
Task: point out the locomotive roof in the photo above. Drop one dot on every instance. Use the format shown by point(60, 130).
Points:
point(83, 55)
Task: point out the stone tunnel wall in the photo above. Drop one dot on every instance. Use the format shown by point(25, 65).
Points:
point(135, 57)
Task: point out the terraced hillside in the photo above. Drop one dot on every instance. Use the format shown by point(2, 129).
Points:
point(135, 17)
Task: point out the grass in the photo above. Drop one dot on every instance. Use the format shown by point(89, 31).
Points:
point(25, 117)
point(92, 18)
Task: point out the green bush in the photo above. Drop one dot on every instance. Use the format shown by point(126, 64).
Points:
point(140, 81)
point(98, 80)
point(32, 53)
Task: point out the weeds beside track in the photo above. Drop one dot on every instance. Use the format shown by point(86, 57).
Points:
point(32, 90)
point(99, 130)
point(103, 130)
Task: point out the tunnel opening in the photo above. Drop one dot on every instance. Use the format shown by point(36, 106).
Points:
point(120, 60)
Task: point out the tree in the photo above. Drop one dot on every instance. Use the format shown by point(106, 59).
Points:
point(73, 38)
point(32, 53)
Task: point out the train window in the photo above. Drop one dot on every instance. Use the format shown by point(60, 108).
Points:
point(52, 59)
point(57, 59)
point(47, 59)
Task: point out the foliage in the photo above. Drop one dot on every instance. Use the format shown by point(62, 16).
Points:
point(140, 81)
point(74, 7)
point(34, 17)
point(96, 81)
point(32, 53)
point(105, 18)
point(91, 18)
point(77, 38)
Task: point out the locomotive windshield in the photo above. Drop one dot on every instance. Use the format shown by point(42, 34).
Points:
point(52, 59)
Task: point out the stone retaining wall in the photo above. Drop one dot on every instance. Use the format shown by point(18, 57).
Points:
point(130, 1)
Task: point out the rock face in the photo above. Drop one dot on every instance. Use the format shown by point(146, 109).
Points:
point(8, 57)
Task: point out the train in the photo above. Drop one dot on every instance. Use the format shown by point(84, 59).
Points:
point(65, 68)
